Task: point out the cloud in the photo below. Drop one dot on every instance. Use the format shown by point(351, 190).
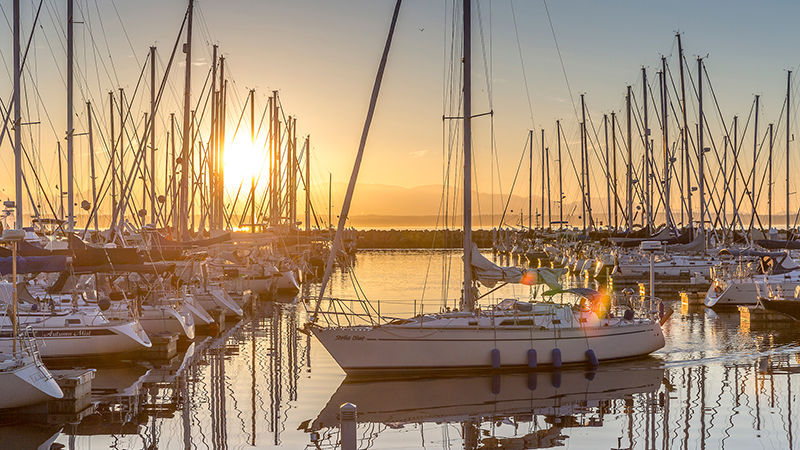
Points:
point(419, 153)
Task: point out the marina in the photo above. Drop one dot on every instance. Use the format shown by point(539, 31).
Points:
point(185, 273)
point(263, 384)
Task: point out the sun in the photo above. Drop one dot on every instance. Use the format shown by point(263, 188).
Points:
point(243, 161)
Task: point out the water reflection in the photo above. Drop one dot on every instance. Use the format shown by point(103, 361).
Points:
point(263, 384)
point(516, 410)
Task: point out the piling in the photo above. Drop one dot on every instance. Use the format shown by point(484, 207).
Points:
point(347, 426)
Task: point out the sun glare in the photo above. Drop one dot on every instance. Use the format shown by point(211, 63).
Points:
point(242, 162)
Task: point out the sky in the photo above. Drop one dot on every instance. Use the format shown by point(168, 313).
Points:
point(322, 57)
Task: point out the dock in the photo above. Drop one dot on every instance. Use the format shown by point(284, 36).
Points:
point(757, 318)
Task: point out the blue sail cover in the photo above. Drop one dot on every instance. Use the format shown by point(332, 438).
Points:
point(34, 264)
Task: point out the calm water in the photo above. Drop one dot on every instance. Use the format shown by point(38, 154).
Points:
point(263, 384)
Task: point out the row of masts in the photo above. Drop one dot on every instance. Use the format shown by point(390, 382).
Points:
point(193, 192)
point(647, 194)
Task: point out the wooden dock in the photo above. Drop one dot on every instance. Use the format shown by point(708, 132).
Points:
point(757, 318)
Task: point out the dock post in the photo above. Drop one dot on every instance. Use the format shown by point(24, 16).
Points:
point(347, 426)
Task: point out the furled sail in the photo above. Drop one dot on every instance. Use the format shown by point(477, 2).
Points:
point(489, 273)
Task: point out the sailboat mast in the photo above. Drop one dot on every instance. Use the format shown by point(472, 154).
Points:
point(253, 176)
point(152, 135)
point(543, 159)
point(665, 142)
point(646, 171)
point(91, 163)
point(755, 161)
point(560, 186)
point(630, 163)
point(788, 123)
point(530, 179)
point(735, 167)
point(701, 166)
point(70, 130)
point(17, 123)
point(685, 141)
point(308, 184)
point(769, 183)
point(468, 296)
point(549, 201)
point(608, 179)
point(187, 138)
point(614, 157)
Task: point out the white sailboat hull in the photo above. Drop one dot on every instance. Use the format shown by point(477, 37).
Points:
point(158, 319)
point(364, 349)
point(24, 382)
point(76, 342)
point(745, 292)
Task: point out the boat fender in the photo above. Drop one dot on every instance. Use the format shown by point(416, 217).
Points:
point(495, 384)
point(556, 381)
point(660, 310)
point(532, 381)
point(592, 358)
point(556, 357)
point(495, 358)
point(628, 315)
point(532, 358)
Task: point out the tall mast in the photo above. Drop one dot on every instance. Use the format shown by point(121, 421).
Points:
point(91, 163)
point(769, 184)
point(735, 167)
point(223, 96)
point(646, 172)
point(308, 183)
point(608, 179)
point(530, 179)
point(549, 202)
point(187, 138)
point(70, 129)
point(560, 186)
point(121, 149)
point(253, 176)
point(665, 142)
point(788, 123)
point(212, 158)
point(173, 188)
point(614, 155)
point(701, 163)
point(586, 165)
point(542, 213)
point(113, 163)
point(17, 122)
point(755, 161)
point(152, 135)
point(469, 300)
point(630, 162)
point(685, 141)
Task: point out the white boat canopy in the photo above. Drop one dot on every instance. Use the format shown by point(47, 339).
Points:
point(489, 273)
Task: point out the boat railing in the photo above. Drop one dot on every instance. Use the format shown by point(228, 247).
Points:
point(339, 312)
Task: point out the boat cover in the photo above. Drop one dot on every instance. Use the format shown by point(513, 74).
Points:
point(489, 273)
point(696, 246)
point(774, 244)
point(34, 264)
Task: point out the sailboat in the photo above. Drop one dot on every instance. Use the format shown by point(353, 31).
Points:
point(24, 380)
point(511, 334)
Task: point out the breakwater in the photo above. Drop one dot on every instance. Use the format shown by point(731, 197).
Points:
point(427, 239)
